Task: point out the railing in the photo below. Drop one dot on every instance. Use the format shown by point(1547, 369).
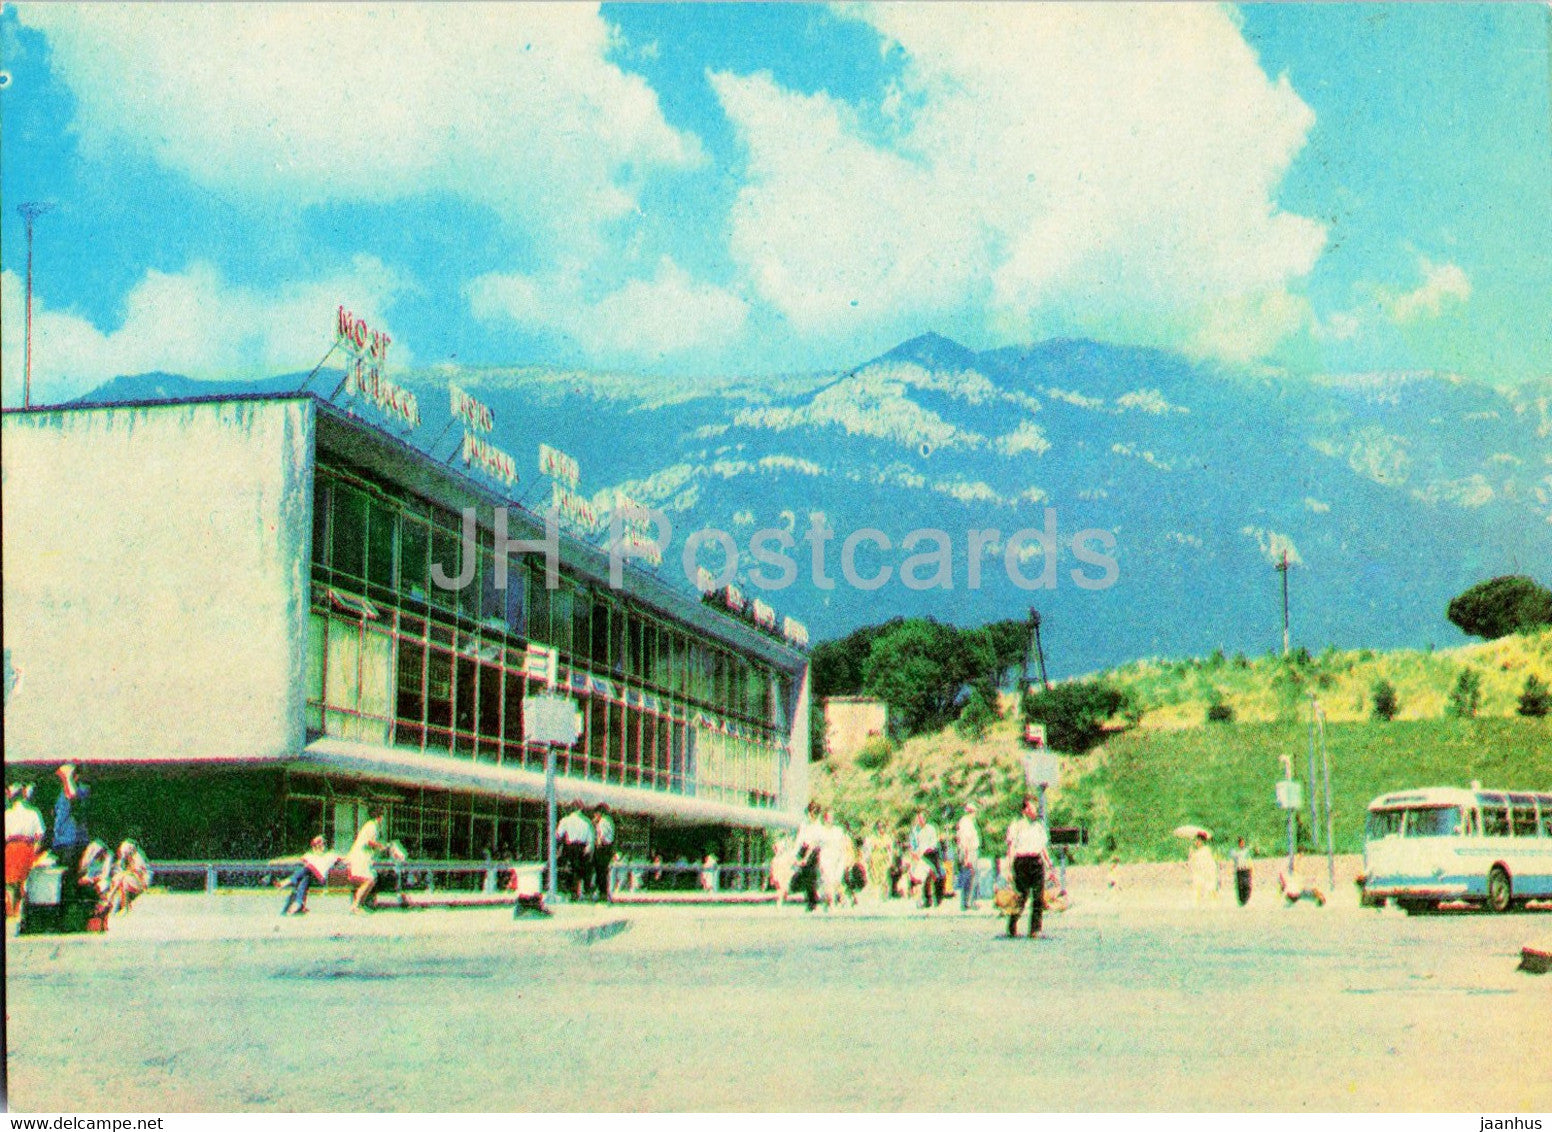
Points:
point(466, 876)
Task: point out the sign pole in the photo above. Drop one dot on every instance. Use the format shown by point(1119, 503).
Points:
point(549, 824)
point(1325, 763)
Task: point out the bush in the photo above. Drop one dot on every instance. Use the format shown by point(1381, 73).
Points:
point(1218, 711)
point(1466, 696)
point(1385, 703)
point(979, 713)
point(1074, 713)
point(1493, 609)
point(1535, 700)
point(876, 753)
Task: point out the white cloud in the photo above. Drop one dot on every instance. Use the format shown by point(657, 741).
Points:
point(1145, 455)
point(1316, 505)
point(1273, 545)
point(1100, 169)
point(192, 323)
point(666, 315)
point(1441, 282)
point(513, 105)
point(1026, 438)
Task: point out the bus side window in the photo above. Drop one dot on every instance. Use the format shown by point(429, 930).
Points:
point(1495, 821)
point(1545, 801)
point(1470, 828)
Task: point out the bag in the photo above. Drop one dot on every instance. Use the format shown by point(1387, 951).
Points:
point(1009, 901)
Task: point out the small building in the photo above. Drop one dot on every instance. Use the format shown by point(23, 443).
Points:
point(850, 721)
point(232, 611)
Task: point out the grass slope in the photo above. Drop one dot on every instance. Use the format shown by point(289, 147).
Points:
point(1269, 688)
point(1147, 782)
point(1170, 767)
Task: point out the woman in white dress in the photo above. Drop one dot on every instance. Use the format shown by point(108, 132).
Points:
point(359, 860)
point(834, 858)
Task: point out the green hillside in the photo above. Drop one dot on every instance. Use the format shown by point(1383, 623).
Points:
point(1147, 782)
point(1164, 765)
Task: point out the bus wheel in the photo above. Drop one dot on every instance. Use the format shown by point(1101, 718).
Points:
point(1500, 895)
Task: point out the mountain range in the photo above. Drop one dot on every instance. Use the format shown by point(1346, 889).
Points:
point(1389, 493)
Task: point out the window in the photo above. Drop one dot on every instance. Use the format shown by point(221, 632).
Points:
point(1495, 816)
point(581, 625)
point(1546, 814)
point(1384, 823)
point(411, 707)
point(1524, 815)
point(439, 697)
point(561, 613)
point(538, 606)
point(600, 646)
point(382, 537)
point(414, 545)
point(320, 522)
point(445, 552)
point(347, 531)
point(1439, 821)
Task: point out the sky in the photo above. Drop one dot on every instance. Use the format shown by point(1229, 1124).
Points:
point(709, 191)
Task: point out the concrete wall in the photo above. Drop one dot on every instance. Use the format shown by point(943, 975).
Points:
point(850, 721)
point(156, 581)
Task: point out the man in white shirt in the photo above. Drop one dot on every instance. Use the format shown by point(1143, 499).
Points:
point(23, 840)
point(575, 836)
point(1028, 840)
point(967, 839)
point(928, 846)
point(809, 842)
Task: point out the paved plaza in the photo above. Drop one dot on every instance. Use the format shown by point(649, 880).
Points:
point(1138, 1002)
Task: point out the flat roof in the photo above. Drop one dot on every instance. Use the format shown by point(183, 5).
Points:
point(343, 433)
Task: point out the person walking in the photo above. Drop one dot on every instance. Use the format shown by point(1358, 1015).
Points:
point(23, 842)
point(879, 852)
point(603, 853)
point(926, 844)
point(1243, 872)
point(1204, 872)
point(575, 834)
point(1028, 841)
point(810, 842)
point(967, 840)
point(313, 869)
point(834, 857)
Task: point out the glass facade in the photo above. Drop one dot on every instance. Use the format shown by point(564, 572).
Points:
point(396, 660)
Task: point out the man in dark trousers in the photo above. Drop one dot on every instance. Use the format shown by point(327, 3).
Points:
point(603, 852)
point(1028, 840)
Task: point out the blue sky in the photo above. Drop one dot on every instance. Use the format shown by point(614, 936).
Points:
point(723, 190)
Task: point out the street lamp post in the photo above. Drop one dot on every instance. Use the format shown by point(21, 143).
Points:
point(30, 211)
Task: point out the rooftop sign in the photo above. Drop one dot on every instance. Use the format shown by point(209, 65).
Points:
point(368, 350)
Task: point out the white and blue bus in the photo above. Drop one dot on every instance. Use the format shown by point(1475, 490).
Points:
point(1425, 847)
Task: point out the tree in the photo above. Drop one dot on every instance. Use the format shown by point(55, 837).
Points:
point(1466, 696)
point(1385, 703)
point(1509, 604)
point(836, 666)
point(1218, 709)
point(1074, 713)
point(1535, 700)
point(920, 668)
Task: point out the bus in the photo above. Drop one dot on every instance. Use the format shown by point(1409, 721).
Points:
point(1422, 848)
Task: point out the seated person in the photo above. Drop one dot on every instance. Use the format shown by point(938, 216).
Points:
point(1296, 887)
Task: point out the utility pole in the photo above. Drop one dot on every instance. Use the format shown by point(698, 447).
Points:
point(30, 211)
point(1282, 568)
point(1034, 632)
